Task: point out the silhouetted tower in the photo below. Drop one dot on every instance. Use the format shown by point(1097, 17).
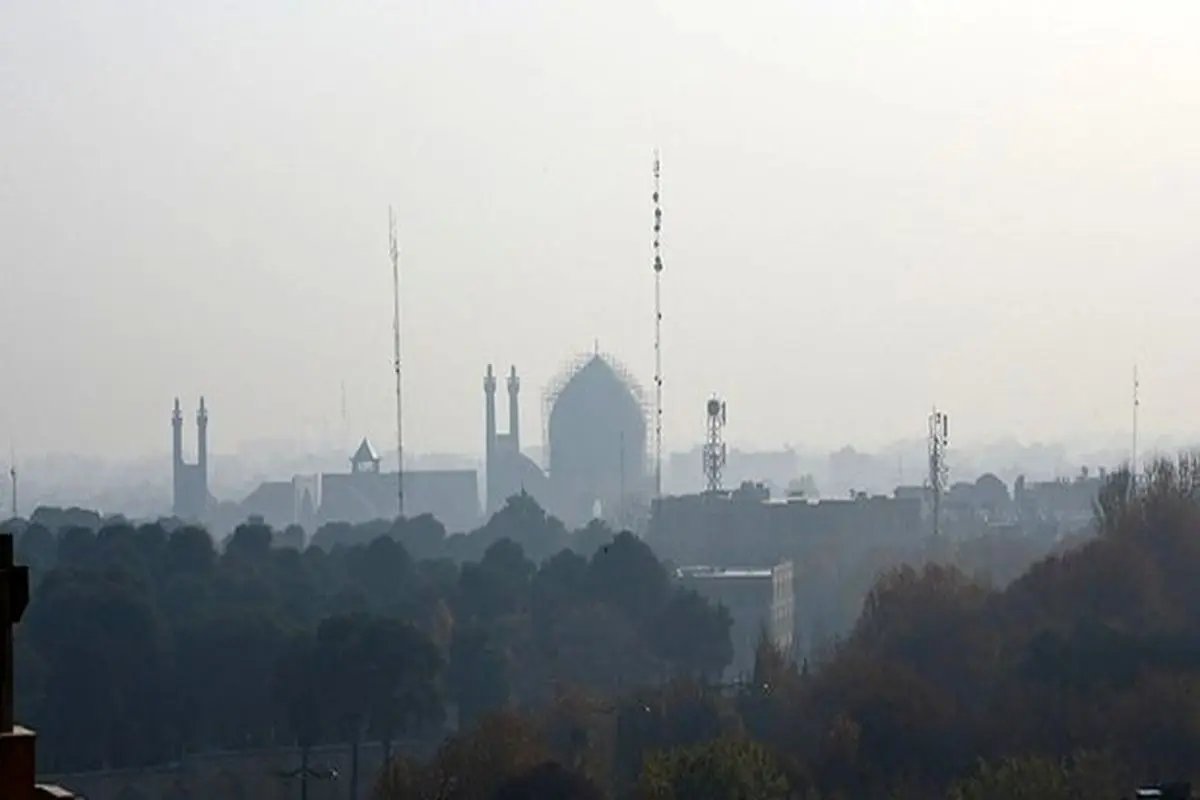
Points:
point(202, 447)
point(489, 440)
point(177, 465)
point(514, 409)
point(394, 252)
point(658, 378)
point(190, 481)
point(939, 470)
point(714, 445)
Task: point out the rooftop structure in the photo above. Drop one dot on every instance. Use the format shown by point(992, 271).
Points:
point(507, 471)
point(596, 432)
point(365, 458)
point(761, 602)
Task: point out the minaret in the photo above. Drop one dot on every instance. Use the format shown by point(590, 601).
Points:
point(514, 409)
point(489, 443)
point(177, 457)
point(202, 456)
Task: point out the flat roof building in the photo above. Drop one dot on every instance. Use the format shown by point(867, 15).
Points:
point(760, 600)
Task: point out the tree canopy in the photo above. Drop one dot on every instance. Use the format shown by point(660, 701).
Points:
point(583, 674)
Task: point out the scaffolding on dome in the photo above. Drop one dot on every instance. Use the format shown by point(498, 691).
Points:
point(572, 367)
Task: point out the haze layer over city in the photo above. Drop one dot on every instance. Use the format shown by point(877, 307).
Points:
point(869, 209)
point(599, 401)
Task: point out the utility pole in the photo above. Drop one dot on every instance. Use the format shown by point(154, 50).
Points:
point(394, 252)
point(658, 378)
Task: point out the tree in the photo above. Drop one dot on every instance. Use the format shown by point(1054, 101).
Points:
point(478, 673)
point(475, 764)
point(720, 769)
point(627, 575)
point(548, 781)
point(301, 693)
point(404, 666)
point(693, 634)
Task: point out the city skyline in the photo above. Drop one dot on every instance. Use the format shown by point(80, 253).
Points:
point(869, 209)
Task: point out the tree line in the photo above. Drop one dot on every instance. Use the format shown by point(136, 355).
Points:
point(142, 645)
point(1079, 679)
point(592, 675)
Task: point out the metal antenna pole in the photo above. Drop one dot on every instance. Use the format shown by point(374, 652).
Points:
point(658, 379)
point(1133, 454)
point(939, 473)
point(394, 251)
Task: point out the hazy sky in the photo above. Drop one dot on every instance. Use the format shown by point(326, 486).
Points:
point(870, 206)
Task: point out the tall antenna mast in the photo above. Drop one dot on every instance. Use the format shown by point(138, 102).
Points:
point(658, 380)
point(394, 252)
point(1133, 454)
point(939, 470)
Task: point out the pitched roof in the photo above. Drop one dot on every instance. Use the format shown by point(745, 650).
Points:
point(365, 454)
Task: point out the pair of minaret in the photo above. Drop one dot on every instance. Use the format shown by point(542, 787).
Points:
point(190, 480)
point(494, 440)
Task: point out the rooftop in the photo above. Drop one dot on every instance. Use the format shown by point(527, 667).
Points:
point(365, 454)
point(718, 573)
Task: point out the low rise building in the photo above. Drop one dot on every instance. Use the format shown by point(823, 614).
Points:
point(761, 602)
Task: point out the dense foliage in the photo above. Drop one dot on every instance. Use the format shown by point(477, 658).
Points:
point(1080, 679)
point(141, 645)
point(590, 676)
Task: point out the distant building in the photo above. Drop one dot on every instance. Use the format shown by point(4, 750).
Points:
point(761, 602)
point(190, 498)
point(746, 527)
point(366, 493)
point(596, 430)
point(507, 471)
point(596, 452)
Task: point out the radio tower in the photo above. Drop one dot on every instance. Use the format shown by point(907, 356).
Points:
point(1133, 453)
point(939, 471)
point(394, 252)
point(714, 445)
point(658, 380)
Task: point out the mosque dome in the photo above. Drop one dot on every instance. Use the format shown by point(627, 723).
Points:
point(597, 438)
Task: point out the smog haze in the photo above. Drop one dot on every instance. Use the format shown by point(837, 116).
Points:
point(870, 207)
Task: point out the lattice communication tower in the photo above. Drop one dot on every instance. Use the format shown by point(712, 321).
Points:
point(939, 469)
point(658, 379)
point(714, 445)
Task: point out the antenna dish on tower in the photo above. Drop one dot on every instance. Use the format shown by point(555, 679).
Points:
point(714, 445)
